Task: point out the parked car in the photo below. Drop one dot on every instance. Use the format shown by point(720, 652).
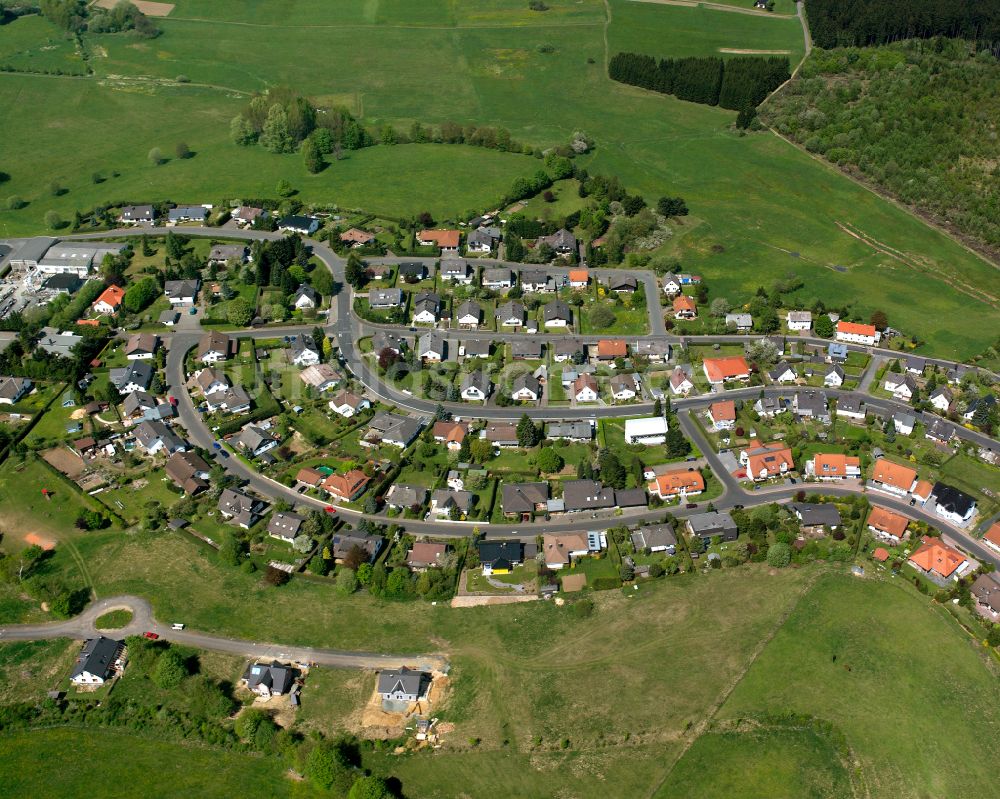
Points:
point(691, 505)
point(177, 626)
point(150, 635)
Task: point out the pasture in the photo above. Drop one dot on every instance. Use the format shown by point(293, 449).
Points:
point(760, 208)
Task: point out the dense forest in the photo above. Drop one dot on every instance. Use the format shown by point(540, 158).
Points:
point(918, 118)
point(844, 23)
point(735, 83)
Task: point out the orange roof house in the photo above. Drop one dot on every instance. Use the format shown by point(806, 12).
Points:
point(677, 483)
point(611, 348)
point(110, 300)
point(880, 554)
point(88, 322)
point(445, 239)
point(346, 487)
point(834, 466)
point(922, 490)
point(355, 236)
point(937, 558)
point(451, 433)
point(684, 307)
point(893, 477)
point(769, 460)
point(992, 537)
point(732, 367)
point(852, 331)
point(579, 278)
point(723, 413)
point(887, 524)
point(309, 476)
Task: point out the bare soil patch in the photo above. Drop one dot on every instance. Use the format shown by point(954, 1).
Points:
point(33, 539)
point(67, 462)
point(740, 51)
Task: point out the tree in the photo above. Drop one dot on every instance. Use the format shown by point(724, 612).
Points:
point(696, 544)
point(602, 317)
point(369, 788)
point(347, 581)
point(745, 117)
point(284, 188)
point(677, 445)
point(239, 312)
point(354, 272)
point(779, 555)
point(52, 220)
point(139, 295)
point(318, 565)
point(231, 549)
point(612, 472)
point(481, 450)
point(880, 320)
point(719, 307)
point(658, 407)
point(275, 136)
point(241, 131)
point(182, 151)
point(823, 326)
point(671, 206)
point(527, 433)
point(15, 202)
point(170, 670)
point(549, 460)
point(155, 156)
point(312, 157)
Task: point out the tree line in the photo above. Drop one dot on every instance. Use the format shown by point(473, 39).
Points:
point(860, 23)
point(75, 16)
point(735, 83)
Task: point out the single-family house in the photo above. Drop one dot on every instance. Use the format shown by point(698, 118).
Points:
point(447, 240)
point(476, 348)
point(254, 441)
point(222, 254)
point(816, 518)
point(285, 526)
point(782, 373)
point(295, 223)
point(424, 555)
point(768, 407)
point(833, 466)
point(403, 685)
point(523, 500)
point(392, 429)
point(685, 307)
point(385, 299)
point(766, 461)
point(902, 386)
point(181, 292)
point(426, 307)
point(557, 314)
point(580, 495)
point(141, 346)
point(469, 314)
point(214, 347)
point(723, 414)
point(241, 508)
point(431, 347)
point(355, 237)
point(585, 388)
point(304, 351)
point(561, 550)
point(450, 433)
point(475, 386)
point(501, 434)
point(799, 320)
point(938, 560)
point(137, 215)
point(526, 349)
point(305, 298)
point(510, 314)
point(915, 365)
point(320, 376)
point(811, 405)
point(680, 382)
point(135, 377)
point(537, 281)
point(655, 538)
point(720, 370)
point(854, 333)
point(525, 388)
point(562, 242)
point(568, 349)
point(625, 387)
point(836, 352)
point(580, 430)
point(446, 502)
point(712, 524)
point(992, 537)
point(741, 322)
point(903, 423)
point(951, 504)
point(610, 348)
point(109, 301)
point(498, 278)
point(403, 496)
point(100, 659)
point(941, 398)
point(850, 407)
point(671, 285)
point(211, 380)
point(269, 679)
point(412, 271)
point(893, 478)
point(232, 400)
point(677, 484)
point(13, 388)
point(940, 432)
point(189, 471)
point(247, 215)
point(384, 340)
point(834, 376)
point(986, 591)
point(345, 487)
point(356, 548)
point(655, 351)
point(622, 284)
point(456, 270)
point(187, 213)
point(155, 437)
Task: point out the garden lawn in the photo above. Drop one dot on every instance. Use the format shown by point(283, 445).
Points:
point(28, 669)
point(915, 699)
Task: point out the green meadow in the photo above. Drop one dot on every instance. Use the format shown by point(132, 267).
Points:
point(760, 208)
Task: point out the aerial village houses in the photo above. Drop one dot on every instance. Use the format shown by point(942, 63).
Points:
point(447, 240)
point(833, 466)
point(893, 478)
point(110, 300)
point(720, 370)
point(854, 333)
point(938, 560)
point(766, 461)
point(677, 484)
point(887, 525)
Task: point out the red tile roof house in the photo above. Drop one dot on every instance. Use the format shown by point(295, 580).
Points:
point(425, 554)
point(857, 334)
point(937, 559)
point(447, 240)
point(887, 525)
point(719, 370)
point(356, 238)
point(893, 478)
point(767, 461)
point(833, 466)
point(610, 348)
point(110, 300)
point(723, 414)
point(992, 537)
point(346, 487)
point(685, 307)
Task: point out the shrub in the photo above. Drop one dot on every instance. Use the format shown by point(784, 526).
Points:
point(779, 555)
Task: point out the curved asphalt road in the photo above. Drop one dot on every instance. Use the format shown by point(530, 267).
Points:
point(82, 626)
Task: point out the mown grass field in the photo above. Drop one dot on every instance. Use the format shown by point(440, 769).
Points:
point(73, 763)
point(760, 208)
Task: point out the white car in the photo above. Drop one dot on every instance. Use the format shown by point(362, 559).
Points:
point(176, 626)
